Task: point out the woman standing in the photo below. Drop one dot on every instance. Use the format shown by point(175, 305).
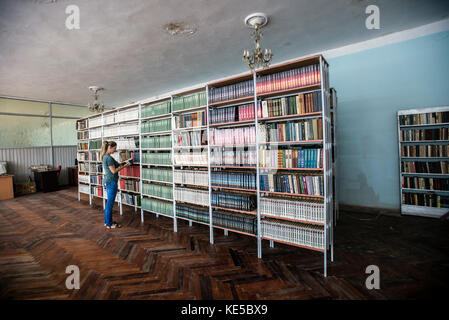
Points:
point(111, 169)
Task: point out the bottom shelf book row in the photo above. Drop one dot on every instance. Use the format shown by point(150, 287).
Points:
point(427, 200)
point(236, 221)
point(131, 199)
point(234, 201)
point(294, 232)
point(192, 213)
point(194, 196)
point(156, 206)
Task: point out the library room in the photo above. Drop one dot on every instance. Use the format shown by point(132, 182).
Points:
point(189, 153)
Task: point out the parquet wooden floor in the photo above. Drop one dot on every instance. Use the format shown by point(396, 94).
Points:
point(41, 234)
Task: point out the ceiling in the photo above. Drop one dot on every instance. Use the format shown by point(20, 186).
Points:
point(123, 47)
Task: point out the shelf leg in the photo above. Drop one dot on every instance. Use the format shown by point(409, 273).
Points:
point(79, 198)
point(104, 204)
point(325, 263)
point(226, 232)
point(141, 215)
point(271, 244)
point(121, 209)
point(90, 199)
point(157, 216)
point(259, 247)
point(175, 225)
point(190, 223)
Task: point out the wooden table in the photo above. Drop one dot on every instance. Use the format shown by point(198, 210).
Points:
point(6, 187)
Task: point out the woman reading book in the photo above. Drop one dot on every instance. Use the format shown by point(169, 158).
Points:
point(111, 168)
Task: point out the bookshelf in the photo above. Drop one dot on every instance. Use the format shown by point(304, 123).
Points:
point(252, 154)
point(423, 146)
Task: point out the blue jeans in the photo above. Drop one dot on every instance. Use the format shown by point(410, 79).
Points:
point(111, 189)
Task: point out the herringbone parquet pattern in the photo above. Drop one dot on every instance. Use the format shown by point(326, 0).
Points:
point(41, 234)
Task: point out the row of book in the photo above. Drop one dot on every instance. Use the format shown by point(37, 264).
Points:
point(95, 155)
point(191, 120)
point(131, 171)
point(190, 138)
point(235, 221)
point(125, 155)
point(129, 185)
point(156, 142)
point(156, 206)
point(294, 78)
point(424, 134)
point(192, 213)
point(237, 157)
point(424, 118)
point(192, 177)
point(196, 157)
point(125, 115)
point(240, 180)
point(423, 199)
point(95, 144)
point(130, 199)
point(127, 143)
point(234, 113)
point(156, 125)
point(190, 101)
point(95, 167)
point(83, 135)
point(84, 188)
point(291, 158)
point(299, 104)
point(157, 174)
point(81, 124)
point(302, 130)
point(97, 191)
point(82, 156)
point(194, 196)
point(152, 110)
point(441, 167)
point(425, 150)
point(96, 179)
point(234, 201)
point(95, 122)
point(297, 210)
point(292, 183)
point(121, 130)
point(157, 190)
point(83, 146)
point(230, 92)
point(95, 133)
point(425, 183)
point(232, 136)
point(83, 167)
point(156, 158)
point(83, 178)
point(293, 232)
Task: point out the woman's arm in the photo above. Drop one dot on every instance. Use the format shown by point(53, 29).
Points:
point(114, 170)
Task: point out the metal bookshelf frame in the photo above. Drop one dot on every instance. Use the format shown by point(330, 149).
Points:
point(417, 210)
point(330, 212)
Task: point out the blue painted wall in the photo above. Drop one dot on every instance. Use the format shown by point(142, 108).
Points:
point(371, 86)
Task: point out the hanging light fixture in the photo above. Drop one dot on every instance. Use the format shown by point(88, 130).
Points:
point(96, 106)
point(258, 57)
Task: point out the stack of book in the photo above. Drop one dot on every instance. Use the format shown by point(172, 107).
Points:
point(95, 133)
point(95, 144)
point(235, 221)
point(424, 118)
point(190, 138)
point(192, 177)
point(156, 126)
point(95, 155)
point(190, 158)
point(424, 134)
point(96, 179)
point(427, 200)
point(82, 156)
point(291, 158)
point(83, 167)
point(189, 101)
point(425, 151)
point(83, 178)
point(425, 183)
point(156, 158)
point(244, 158)
point(97, 191)
point(192, 213)
point(191, 120)
point(292, 183)
point(152, 110)
point(81, 124)
point(156, 206)
point(127, 114)
point(157, 174)
point(96, 168)
point(231, 92)
point(239, 180)
point(425, 167)
point(156, 142)
point(157, 190)
point(129, 185)
point(194, 196)
point(82, 135)
point(130, 199)
point(95, 122)
point(294, 232)
point(242, 112)
point(294, 78)
point(302, 130)
point(234, 201)
point(297, 210)
point(291, 105)
point(82, 146)
point(232, 136)
point(131, 171)
point(84, 188)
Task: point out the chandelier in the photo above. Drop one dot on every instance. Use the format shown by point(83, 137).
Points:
point(258, 57)
point(96, 106)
